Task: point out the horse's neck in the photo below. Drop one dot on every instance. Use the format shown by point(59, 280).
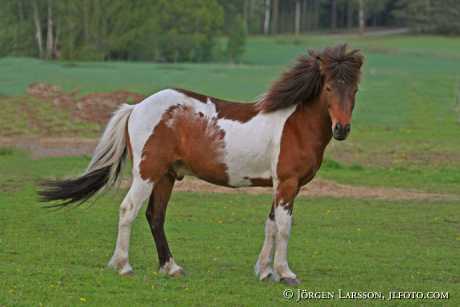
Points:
point(314, 123)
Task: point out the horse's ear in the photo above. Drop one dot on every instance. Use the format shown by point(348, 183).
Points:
point(318, 60)
point(321, 65)
point(358, 57)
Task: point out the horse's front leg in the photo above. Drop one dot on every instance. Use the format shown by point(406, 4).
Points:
point(284, 203)
point(263, 266)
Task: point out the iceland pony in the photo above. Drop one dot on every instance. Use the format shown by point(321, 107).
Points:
point(277, 141)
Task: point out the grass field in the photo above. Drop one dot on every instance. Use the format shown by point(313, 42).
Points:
point(406, 132)
point(58, 258)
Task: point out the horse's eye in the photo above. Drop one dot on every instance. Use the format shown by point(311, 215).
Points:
point(328, 88)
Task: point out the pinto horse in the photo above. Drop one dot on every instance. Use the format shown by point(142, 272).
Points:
point(278, 141)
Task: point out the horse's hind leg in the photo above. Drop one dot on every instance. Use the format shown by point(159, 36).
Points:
point(137, 194)
point(156, 212)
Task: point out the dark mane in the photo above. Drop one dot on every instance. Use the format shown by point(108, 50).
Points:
point(304, 81)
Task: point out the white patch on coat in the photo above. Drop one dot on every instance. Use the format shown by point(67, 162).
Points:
point(283, 222)
point(252, 148)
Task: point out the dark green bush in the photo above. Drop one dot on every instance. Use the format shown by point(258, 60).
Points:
point(237, 39)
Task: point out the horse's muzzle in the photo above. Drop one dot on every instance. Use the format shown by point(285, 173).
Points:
point(340, 132)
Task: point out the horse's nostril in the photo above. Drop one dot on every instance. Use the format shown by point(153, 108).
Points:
point(347, 128)
point(338, 127)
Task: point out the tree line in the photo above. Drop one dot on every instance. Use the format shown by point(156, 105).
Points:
point(194, 30)
point(162, 30)
point(303, 16)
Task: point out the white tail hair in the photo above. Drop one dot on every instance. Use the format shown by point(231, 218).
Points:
point(111, 147)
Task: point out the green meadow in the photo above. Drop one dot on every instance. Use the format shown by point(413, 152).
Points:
point(406, 132)
point(58, 258)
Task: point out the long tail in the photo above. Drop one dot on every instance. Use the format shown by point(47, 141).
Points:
point(103, 171)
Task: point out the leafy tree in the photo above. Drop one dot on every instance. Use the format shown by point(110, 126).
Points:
point(430, 16)
point(237, 39)
point(17, 34)
point(188, 29)
point(162, 30)
point(446, 16)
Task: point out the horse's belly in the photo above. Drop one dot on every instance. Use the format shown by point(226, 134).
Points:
point(239, 171)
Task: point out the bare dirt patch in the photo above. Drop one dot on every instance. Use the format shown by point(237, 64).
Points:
point(51, 147)
point(32, 121)
point(95, 107)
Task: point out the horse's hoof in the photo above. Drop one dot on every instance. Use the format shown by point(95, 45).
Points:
point(129, 273)
point(290, 281)
point(178, 273)
point(267, 278)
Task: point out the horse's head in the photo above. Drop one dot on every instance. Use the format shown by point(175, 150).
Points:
point(340, 70)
